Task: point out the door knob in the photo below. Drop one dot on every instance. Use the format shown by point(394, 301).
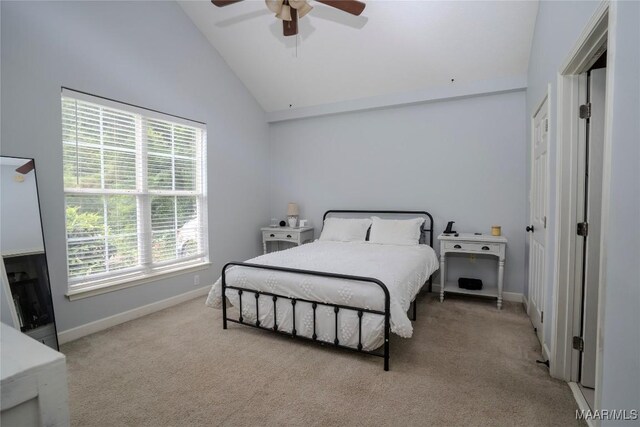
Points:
point(530, 228)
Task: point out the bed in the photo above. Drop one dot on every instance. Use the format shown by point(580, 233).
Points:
point(350, 295)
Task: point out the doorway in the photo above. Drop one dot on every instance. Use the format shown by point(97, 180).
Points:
point(582, 167)
point(591, 154)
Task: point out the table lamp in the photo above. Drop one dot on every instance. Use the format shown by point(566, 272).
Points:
point(292, 214)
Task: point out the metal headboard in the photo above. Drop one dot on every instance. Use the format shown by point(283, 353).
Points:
point(423, 230)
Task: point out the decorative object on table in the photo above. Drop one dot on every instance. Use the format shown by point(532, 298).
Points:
point(469, 283)
point(449, 229)
point(303, 223)
point(283, 224)
point(292, 214)
point(274, 222)
point(496, 230)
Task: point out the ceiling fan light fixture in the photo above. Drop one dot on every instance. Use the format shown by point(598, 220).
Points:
point(289, 11)
point(274, 5)
point(304, 9)
point(285, 13)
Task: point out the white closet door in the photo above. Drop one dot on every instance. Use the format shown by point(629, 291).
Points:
point(538, 215)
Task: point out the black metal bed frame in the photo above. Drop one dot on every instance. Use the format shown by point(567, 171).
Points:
point(314, 304)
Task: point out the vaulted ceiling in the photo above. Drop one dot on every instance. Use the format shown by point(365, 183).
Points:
point(394, 46)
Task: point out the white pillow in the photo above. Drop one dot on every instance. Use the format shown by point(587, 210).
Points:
point(395, 231)
point(345, 229)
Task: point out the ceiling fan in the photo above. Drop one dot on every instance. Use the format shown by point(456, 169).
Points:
point(289, 11)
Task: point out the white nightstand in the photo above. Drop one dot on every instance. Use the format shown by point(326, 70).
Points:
point(297, 236)
point(469, 243)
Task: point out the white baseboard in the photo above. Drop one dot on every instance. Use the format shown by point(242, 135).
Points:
point(102, 324)
point(581, 401)
point(525, 303)
point(546, 353)
point(506, 296)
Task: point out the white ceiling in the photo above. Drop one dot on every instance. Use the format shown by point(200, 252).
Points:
point(394, 46)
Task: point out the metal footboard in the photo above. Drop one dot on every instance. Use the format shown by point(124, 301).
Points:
point(255, 294)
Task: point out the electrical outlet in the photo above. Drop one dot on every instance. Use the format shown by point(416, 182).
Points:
point(472, 258)
point(196, 280)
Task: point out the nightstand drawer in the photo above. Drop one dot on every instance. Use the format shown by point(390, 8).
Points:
point(472, 247)
point(278, 235)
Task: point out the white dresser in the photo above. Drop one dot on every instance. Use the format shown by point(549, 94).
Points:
point(33, 382)
point(473, 244)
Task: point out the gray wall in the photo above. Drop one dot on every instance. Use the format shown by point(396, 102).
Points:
point(558, 27)
point(149, 54)
point(460, 160)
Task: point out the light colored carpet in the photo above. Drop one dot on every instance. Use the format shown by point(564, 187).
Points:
point(467, 364)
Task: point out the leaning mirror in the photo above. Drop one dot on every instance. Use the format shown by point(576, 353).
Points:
point(26, 293)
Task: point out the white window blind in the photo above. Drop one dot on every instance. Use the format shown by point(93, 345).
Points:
point(135, 191)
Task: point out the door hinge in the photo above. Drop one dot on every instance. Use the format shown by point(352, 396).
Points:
point(546, 125)
point(583, 229)
point(578, 343)
point(542, 317)
point(545, 222)
point(585, 111)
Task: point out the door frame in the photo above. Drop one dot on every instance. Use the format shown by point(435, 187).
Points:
point(546, 98)
point(597, 35)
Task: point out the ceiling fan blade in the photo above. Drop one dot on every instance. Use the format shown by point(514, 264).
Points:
point(290, 28)
point(223, 3)
point(26, 168)
point(353, 7)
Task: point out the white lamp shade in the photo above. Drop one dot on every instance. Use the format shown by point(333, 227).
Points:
point(292, 209)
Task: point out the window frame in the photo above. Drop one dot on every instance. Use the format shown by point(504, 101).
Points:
point(146, 269)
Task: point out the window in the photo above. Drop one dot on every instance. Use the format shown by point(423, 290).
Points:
point(135, 192)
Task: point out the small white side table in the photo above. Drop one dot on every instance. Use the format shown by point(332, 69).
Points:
point(297, 236)
point(469, 243)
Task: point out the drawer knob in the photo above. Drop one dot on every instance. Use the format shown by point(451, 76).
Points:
point(485, 248)
point(288, 236)
point(457, 247)
point(272, 235)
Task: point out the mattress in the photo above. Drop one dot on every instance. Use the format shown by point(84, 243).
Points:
point(403, 269)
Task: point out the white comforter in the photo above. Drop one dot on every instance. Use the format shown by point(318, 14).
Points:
point(403, 269)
